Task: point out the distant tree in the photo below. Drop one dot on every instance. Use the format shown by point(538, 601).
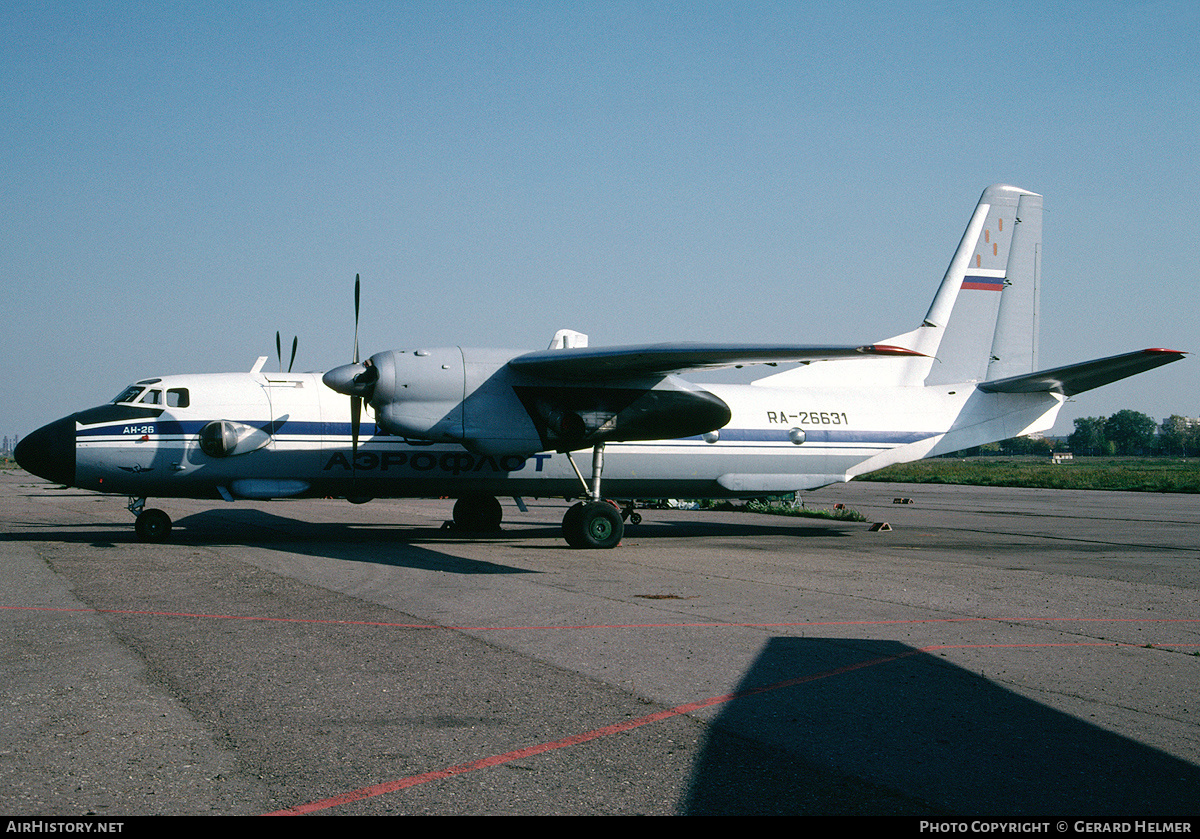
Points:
point(1088, 436)
point(1014, 446)
point(1179, 436)
point(1172, 436)
point(1130, 432)
point(1026, 446)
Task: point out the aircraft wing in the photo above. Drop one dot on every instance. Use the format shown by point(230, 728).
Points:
point(655, 359)
point(1076, 378)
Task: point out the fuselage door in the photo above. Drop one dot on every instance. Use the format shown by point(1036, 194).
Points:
point(296, 421)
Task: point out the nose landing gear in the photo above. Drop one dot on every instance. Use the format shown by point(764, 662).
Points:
point(150, 525)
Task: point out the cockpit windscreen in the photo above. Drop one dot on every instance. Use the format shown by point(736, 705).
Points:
point(129, 394)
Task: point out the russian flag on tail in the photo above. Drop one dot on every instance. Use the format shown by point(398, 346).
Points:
point(979, 283)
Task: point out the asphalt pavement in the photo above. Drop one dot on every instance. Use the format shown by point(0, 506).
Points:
point(996, 653)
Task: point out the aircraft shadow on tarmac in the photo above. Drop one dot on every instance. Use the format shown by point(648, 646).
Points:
point(389, 543)
point(369, 542)
point(910, 734)
point(421, 546)
point(250, 525)
point(383, 544)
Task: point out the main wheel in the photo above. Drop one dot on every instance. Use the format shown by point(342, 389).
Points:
point(478, 513)
point(152, 526)
point(593, 524)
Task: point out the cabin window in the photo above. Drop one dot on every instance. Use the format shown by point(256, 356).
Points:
point(177, 397)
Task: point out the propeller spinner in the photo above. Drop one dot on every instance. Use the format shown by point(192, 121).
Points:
point(354, 380)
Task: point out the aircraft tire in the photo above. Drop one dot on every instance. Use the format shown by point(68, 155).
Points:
point(478, 513)
point(570, 525)
point(594, 524)
point(152, 526)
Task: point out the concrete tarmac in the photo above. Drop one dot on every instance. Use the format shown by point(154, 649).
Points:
point(998, 654)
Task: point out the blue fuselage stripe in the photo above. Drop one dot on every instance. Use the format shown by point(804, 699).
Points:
point(332, 431)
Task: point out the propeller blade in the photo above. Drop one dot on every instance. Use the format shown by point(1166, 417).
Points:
point(344, 380)
point(355, 413)
point(356, 295)
point(279, 351)
point(295, 345)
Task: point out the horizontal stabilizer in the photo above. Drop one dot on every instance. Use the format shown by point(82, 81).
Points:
point(1076, 378)
point(660, 359)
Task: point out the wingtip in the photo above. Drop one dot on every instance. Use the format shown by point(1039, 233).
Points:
point(888, 349)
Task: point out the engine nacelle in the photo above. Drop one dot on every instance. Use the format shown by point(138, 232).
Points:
point(419, 393)
point(472, 397)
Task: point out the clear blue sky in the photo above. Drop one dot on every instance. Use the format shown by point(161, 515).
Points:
point(181, 180)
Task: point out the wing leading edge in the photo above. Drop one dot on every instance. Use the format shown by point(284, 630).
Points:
point(1076, 378)
point(655, 359)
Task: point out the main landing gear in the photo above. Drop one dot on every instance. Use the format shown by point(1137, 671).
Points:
point(150, 525)
point(594, 523)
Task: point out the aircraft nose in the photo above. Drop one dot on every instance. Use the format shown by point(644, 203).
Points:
point(49, 452)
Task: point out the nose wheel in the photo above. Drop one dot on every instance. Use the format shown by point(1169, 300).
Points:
point(150, 525)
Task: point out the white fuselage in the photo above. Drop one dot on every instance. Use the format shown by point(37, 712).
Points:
point(298, 443)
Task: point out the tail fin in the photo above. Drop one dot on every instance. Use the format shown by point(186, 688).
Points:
point(982, 323)
point(987, 306)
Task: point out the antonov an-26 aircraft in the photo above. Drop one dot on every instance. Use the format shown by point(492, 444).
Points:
point(474, 424)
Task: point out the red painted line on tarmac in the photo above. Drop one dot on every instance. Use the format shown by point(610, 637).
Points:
point(684, 625)
point(1073, 644)
point(617, 728)
point(574, 740)
point(226, 617)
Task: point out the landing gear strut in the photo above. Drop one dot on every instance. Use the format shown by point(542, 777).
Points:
point(594, 523)
point(150, 525)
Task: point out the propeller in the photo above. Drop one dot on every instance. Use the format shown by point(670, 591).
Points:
point(356, 380)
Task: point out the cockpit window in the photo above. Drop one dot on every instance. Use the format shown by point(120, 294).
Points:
point(176, 397)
